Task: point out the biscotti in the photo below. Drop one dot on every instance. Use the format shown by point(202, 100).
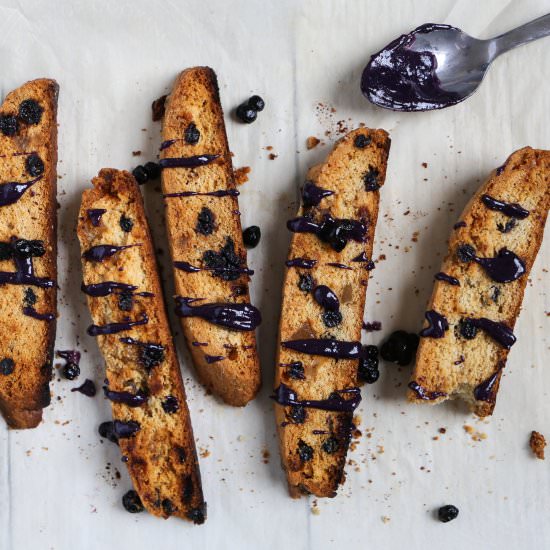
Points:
point(204, 230)
point(28, 250)
point(478, 292)
point(144, 384)
point(321, 318)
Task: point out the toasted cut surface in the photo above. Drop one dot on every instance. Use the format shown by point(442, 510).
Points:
point(462, 364)
point(161, 456)
point(205, 231)
point(314, 441)
point(28, 152)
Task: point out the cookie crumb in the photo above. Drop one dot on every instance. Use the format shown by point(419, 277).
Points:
point(424, 165)
point(385, 519)
point(241, 174)
point(312, 142)
point(136, 153)
point(537, 442)
point(272, 156)
point(158, 108)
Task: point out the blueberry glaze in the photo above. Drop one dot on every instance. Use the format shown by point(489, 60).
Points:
point(127, 398)
point(423, 393)
point(512, 210)
point(335, 402)
point(301, 262)
point(220, 193)
point(312, 194)
point(12, 191)
point(101, 252)
point(113, 328)
point(94, 215)
point(447, 278)
point(187, 162)
point(326, 347)
point(437, 326)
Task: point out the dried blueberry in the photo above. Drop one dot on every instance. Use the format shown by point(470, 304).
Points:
point(400, 347)
point(508, 226)
point(196, 515)
point(305, 451)
point(367, 370)
point(296, 414)
point(125, 300)
point(140, 174)
point(331, 319)
point(205, 221)
point(256, 103)
point(126, 224)
point(495, 293)
point(361, 141)
point(447, 513)
point(245, 113)
point(168, 506)
point(369, 376)
point(305, 282)
point(251, 236)
point(465, 253)
point(30, 111)
point(170, 405)
point(153, 170)
point(467, 329)
point(29, 297)
point(295, 370)
point(70, 371)
point(371, 179)
point(192, 134)
point(34, 165)
point(6, 366)
point(330, 445)
point(29, 248)
point(132, 503)
point(8, 125)
point(106, 430)
point(6, 251)
point(225, 264)
point(151, 355)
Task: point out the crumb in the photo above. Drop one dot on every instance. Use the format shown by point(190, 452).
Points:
point(269, 148)
point(537, 444)
point(315, 510)
point(414, 237)
point(385, 519)
point(265, 456)
point(158, 108)
point(312, 142)
point(442, 430)
point(272, 156)
point(380, 449)
point(204, 453)
point(424, 165)
point(136, 153)
point(241, 174)
point(372, 326)
point(476, 436)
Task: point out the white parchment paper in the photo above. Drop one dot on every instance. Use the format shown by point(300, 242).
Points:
point(61, 486)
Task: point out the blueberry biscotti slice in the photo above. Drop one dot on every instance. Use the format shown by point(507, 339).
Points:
point(28, 250)
point(478, 292)
point(321, 318)
point(204, 230)
point(151, 418)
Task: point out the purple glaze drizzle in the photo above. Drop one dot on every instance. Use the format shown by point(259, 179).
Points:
point(70, 355)
point(127, 398)
point(499, 332)
point(24, 275)
point(326, 347)
point(236, 316)
point(114, 328)
point(31, 312)
point(167, 143)
point(213, 358)
point(356, 230)
point(301, 262)
point(220, 193)
point(486, 390)
point(188, 268)
point(340, 266)
point(187, 162)
point(312, 195)
point(512, 210)
point(326, 298)
point(87, 388)
point(423, 393)
point(94, 215)
point(335, 402)
point(12, 191)
point(447, 278)
point(436, 327)
point(101, 252)
point(372, 326)
point(105, 288)
point(198, 344)
point(505, 267)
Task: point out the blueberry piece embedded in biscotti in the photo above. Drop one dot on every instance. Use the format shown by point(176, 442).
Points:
point(8, 125)
point(30, 111)
point(251, 236)
point(305, 451)
point(126, 224)
point(7, 366)
point(205, 221)
point(34, 165)
point(192, 134)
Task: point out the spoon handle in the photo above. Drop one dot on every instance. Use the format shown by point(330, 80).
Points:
point(521, 35)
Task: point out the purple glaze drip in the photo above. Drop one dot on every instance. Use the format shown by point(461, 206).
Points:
point(497, 331)
point(486, 391)
point(12, 191)
point(505, 267)
point(105, 288)
point(87, 388)
point(103, 251)
point(326, 298)
point(71, 356)
point(24, 275)
point(312, 195)
point(198, 344)
point(94, 215)
point(371, 327)
point(355, 230)
point(512, 210)
point(187, 162)
point(31, 312)
point(400, 78)
point(166, 144)
point(188, 268)
point(113, 328)
point(234, 316)
point(340, 266)
point(131, 399)
point(459, 224)
point(423, 393)
point(301, 262)
point(447, 278)
point(500, 169)
point(361, 258)
point(213, 358)
point(436, 327)
point(327, 347)
point(220, 193)
point(123, 430)
point(335, 402)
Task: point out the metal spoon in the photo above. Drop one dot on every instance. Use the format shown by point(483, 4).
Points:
point(436, 66)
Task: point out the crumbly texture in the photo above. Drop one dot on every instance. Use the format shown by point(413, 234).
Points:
point(454, 365)
point(162, 459)
point(537, 442)
point(301, 317)
point(195, 100)
point(28, 341)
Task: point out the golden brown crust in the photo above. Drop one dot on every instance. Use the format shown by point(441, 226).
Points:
point(453, 365)
point(343, 172)
point(162, 458)
point(195, 99)
point(26, 340)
